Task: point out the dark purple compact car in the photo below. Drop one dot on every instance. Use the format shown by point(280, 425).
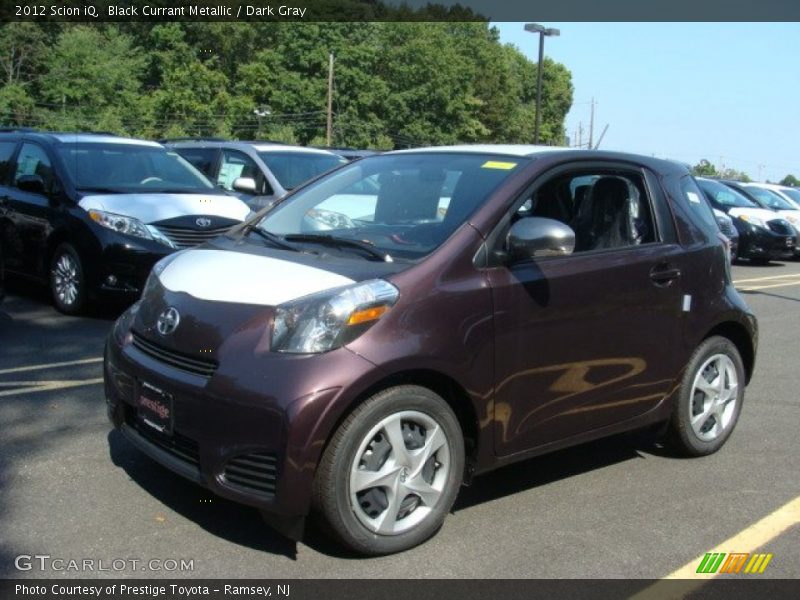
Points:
point(413, 319)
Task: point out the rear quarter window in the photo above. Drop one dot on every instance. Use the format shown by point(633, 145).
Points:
point(698, 206)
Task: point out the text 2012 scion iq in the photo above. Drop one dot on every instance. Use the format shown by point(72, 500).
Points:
point(413, 319)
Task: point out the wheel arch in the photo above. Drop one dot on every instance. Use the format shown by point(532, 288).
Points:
point(741, 338)
point(441, 384)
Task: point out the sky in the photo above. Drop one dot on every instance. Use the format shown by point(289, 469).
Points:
point(726, 92)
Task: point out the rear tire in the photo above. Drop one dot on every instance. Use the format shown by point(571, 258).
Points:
point(710, 398)
point(391, 472)
point(67, 280)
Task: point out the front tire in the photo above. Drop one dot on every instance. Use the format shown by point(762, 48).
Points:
point(67, 280)
point(391, 472)
point(710, 398)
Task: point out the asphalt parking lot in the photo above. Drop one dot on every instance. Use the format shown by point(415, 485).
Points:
point(620, 508)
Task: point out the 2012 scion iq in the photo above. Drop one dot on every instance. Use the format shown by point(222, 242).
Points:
point(413, 319)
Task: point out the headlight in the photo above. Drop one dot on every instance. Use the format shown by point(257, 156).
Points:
point(326, 321)
point(753, 221)
point(793, 219)
point(128, 226)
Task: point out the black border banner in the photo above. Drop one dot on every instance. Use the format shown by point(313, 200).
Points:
point(390, 589)
point(251, 11)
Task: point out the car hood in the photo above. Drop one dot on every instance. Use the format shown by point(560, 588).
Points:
point(759, 213)
point(242, 278)
point(151, 208)
point(230, 286)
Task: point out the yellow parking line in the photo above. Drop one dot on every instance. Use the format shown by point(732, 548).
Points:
point(748, 540)
point(71, 363)
point(738, 281)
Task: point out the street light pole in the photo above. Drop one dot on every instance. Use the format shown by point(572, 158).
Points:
point(542, 31)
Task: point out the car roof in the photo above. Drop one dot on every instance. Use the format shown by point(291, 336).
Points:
point(257, 145)
point(532, 151)
point(509, 149)
point(79, 138)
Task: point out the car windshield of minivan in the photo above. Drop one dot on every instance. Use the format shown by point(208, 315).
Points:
point(293, 168)
point(726, 196)
point(770, 198)
point(792, 193)
point(131, 168)
point(403, 205)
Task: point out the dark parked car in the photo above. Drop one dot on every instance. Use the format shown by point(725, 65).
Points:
point(89, 214)
point(763, 234)
point(2, 274)
point(258, 172)
point(728, 229)
point(366, 372)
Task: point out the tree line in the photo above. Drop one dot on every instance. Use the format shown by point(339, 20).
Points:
point(706, 168)
point(396, 84)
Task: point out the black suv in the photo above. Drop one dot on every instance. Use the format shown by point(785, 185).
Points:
point(92, 213)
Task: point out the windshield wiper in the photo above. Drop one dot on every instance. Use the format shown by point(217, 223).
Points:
point(101, 190)
point(339, 242)
point(270, 237)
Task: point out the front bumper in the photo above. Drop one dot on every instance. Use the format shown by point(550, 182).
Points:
point(766, 245)
point(253, 435)
point(123, 264)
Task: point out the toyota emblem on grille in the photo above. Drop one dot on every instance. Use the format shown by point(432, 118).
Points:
point(203, 222)
point(168, 320)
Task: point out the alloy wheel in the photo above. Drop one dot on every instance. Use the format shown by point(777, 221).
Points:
point(65, 280)
point(399, 472)
point(713, 398)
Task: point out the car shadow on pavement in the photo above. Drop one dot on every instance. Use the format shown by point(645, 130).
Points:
point(549, 468)
point(771, 295)
point(236, 523)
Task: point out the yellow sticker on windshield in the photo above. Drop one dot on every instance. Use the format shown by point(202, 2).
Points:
point(496, 164)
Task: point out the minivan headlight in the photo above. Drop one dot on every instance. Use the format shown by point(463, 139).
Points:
point(322, 322)
point(129, 226)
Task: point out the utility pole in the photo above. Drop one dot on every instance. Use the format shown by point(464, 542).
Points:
point(591, 127)
point(329, 128)
point(580, 134)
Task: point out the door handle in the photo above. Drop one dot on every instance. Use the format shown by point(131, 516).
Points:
point(664, 274)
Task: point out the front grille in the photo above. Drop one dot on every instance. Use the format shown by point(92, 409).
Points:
point(181, 447)
point(184, 237)
point(252, 473)
point(196, 366)
point(780, 226)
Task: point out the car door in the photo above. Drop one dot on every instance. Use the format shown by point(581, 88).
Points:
point(7, 148)
point(29, 213)
point(236, 164)
point(586, 341)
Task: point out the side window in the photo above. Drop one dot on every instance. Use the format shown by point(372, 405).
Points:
point(6, 152)
point(33, 160)
point(698, 206)
point(237, 164)
point(605, 209)
point(202, 159)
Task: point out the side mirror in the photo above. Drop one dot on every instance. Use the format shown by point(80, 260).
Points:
point(245, 184)
point(534, 237)
point(32, 183)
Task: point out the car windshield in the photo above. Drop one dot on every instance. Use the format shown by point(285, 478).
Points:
point(293, 168)
point(404, 205)
point(769, 198)
point(724, 195)
point(792, 193)
point(130, 168)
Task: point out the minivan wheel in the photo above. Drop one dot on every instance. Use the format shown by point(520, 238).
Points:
point(391, 472)
point(710, 398)
point(67, 280)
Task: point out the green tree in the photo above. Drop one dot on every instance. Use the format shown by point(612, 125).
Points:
point(704, 169)
point(790, 181)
